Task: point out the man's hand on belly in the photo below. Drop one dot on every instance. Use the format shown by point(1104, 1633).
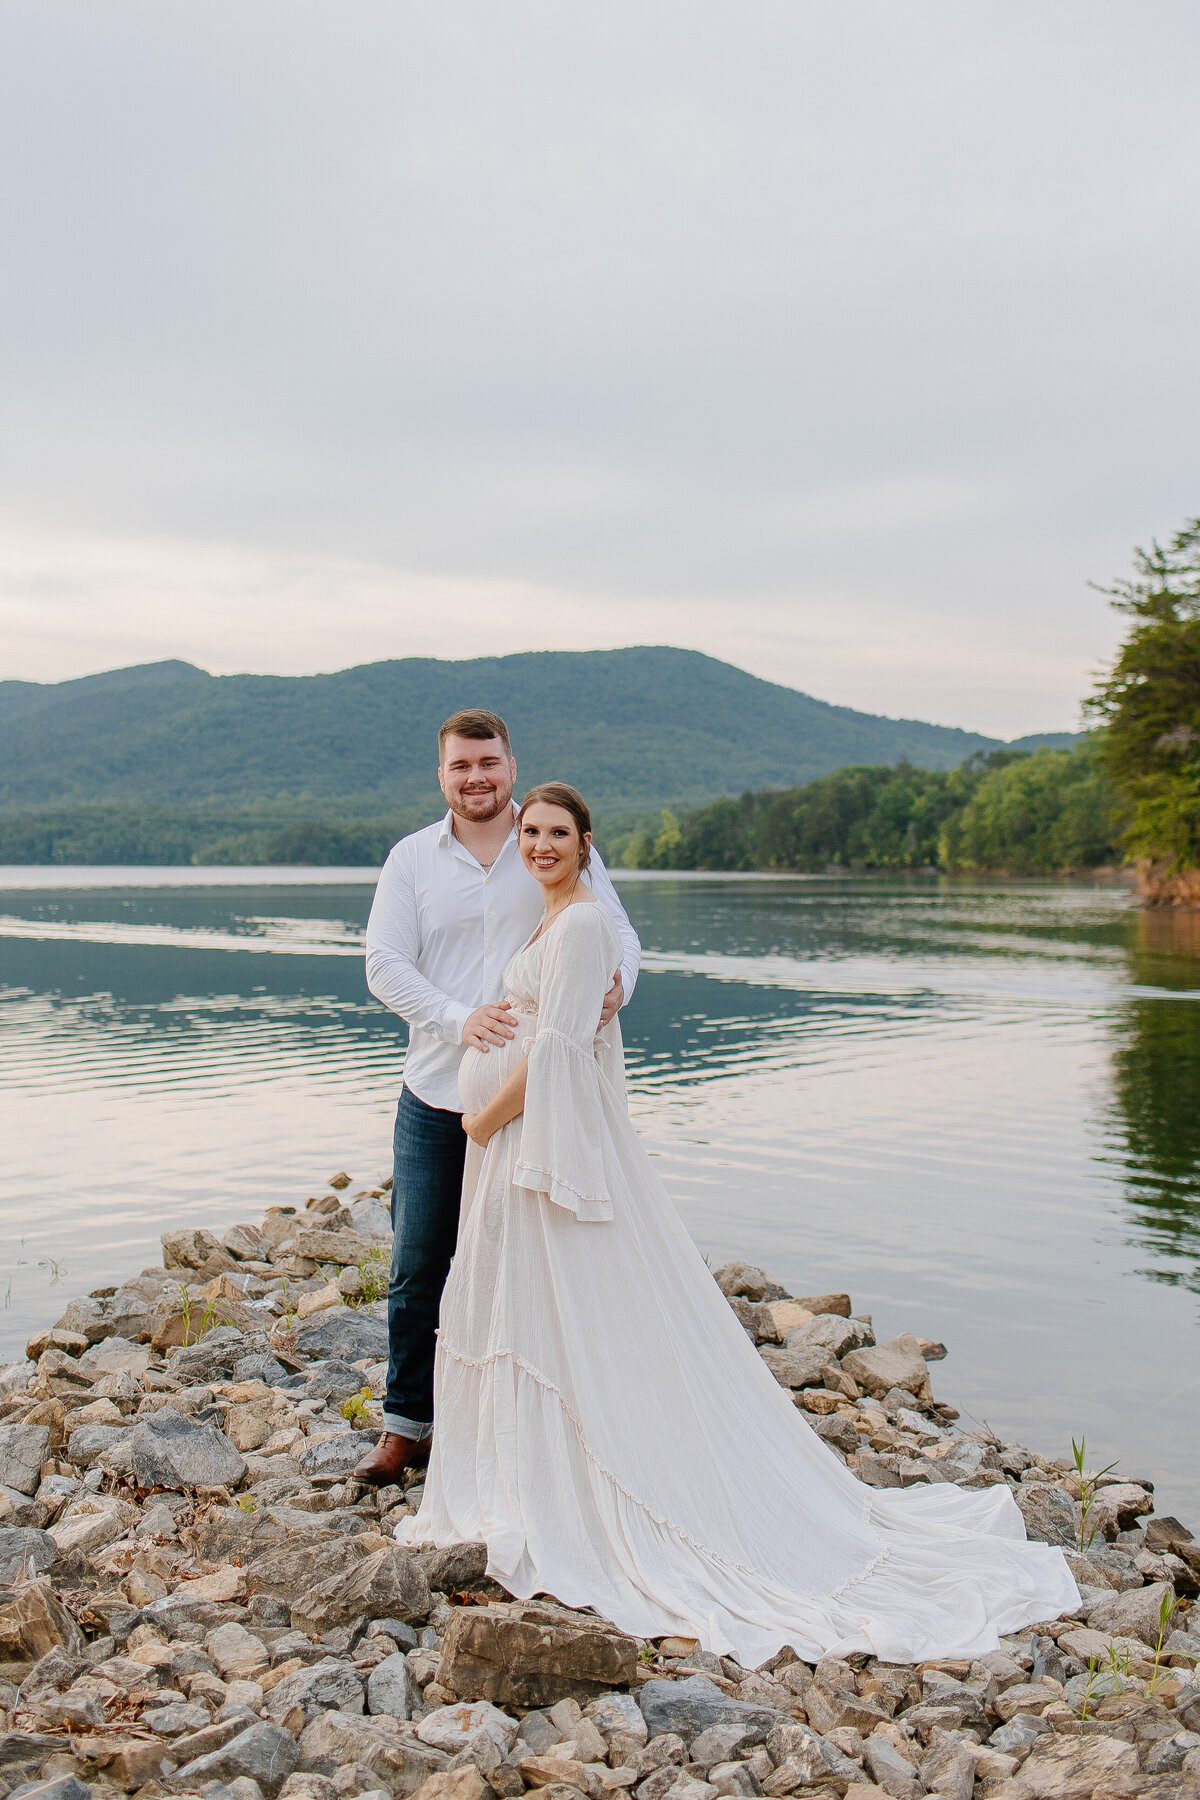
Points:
point(490, 1025)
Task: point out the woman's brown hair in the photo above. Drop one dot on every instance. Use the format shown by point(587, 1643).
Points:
point(559, 793)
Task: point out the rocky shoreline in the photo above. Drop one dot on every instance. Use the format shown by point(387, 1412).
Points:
point(197, 1599)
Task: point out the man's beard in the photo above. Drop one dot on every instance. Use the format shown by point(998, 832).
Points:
point(478, 809)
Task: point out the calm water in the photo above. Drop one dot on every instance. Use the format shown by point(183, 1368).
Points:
point(978, 1107)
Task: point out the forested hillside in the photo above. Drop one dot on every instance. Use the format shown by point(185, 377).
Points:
point(1004, 812)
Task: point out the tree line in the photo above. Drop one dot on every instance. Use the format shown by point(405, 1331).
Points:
point(1006, 812)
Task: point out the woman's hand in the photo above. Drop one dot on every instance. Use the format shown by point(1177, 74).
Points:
point(476, 1136)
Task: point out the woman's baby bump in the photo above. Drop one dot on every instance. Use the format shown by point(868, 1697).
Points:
point(481, 1076)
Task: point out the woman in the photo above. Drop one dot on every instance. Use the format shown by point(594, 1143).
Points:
point(604, 1424)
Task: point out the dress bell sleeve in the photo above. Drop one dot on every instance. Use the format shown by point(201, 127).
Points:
point(562, 1125)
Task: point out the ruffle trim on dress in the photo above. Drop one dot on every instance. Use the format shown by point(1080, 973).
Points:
point(590, 1209)
point(483, 1362)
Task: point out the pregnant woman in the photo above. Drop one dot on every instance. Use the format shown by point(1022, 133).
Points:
point(604, 1424)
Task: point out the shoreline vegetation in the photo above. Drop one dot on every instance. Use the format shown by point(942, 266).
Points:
point(196, 1598)
point(1010, 812)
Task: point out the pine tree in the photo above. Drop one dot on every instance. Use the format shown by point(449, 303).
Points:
point(1149, 706)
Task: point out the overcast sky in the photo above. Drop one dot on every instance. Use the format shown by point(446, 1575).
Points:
point(844, 341)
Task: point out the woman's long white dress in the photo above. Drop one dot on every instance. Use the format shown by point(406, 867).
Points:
point(605, 1426)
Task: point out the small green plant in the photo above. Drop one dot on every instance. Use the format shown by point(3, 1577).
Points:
point(208, 1318)
point(355, 1408)
point(373, 1273)
point(648, 1655)
point(185, 1307)
point(1088, 1485)
point(248, 1503)
point(1166, 1614)
point(1120, 1665)
point(1093, 1671)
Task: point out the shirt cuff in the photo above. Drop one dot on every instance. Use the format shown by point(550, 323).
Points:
point(456, 1017)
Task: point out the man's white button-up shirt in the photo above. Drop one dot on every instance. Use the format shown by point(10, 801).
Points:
point(442, 929)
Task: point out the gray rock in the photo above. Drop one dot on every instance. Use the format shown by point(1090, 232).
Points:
point(1167, 1756)
point(736, 1779)
point(948, 1769)
point(397, 1630)
point(347, 1334)
point(23, 1450)
point(755, 1317)
point(896, 1364)
point(796, 1369)
point(750, 1282)
point(389, 1584)
point(1137, 1613)
point(837, 1431)
point(1115, 1562)
point(92, 1442)
point(724, 1743)
point(454, 1569)
point(88, 1317)
point(332, 1380)
point(215, 1355)
point(62, 1787)
point(692, 1706)
point(371, 1218)
point(391, 1688)
point(175, 1719)
point(260, 1367)
point(173, 1452)
point(326, 1686)
point(23, 1548)
point(833, 1334)
point(334, 1455)
point(1050, 1515)
point(1019, 1733)
point(264, 1752)
point(891, 1771)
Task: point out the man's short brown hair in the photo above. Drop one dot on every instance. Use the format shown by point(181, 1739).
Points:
point(474, 723)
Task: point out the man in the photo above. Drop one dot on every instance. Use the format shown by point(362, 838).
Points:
point(453, 904)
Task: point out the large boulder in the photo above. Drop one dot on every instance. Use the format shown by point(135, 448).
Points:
point(531, 1656)
point(833, 1334)
point(286, 1570)
point(1050, 1514)
point(343, 1333)
point(391, 1688)
point(697, 1704)
point(265, 1753)
point(1136, 1613)
point(325, 1686)
point(751, 1283)
point(390, 1584)
point(402, 1762)
point(896, 1364)
point(189, 1248)
point(33, 1620)
point(24, 1551)
point(1072, 1768)
point(23, 1450)
point(796, 1369)
point(171, 1451)
point(341, 1247)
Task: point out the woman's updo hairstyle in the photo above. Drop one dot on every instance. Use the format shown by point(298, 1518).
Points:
point(559, 793)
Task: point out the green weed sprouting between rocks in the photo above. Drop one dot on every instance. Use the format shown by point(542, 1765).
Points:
point(1088, 1485)
point(355, 1408)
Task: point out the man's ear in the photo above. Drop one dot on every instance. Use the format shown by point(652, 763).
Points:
point(440, 779)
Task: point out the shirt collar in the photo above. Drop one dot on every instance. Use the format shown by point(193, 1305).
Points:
point(446, 836)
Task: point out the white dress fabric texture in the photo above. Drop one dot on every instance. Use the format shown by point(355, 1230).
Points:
point(605, 1426)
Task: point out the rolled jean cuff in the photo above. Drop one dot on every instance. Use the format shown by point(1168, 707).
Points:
point(406, 1428)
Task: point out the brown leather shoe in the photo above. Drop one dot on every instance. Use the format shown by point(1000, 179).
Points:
point(386, 1463)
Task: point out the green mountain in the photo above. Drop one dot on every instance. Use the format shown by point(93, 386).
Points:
point(634, 728)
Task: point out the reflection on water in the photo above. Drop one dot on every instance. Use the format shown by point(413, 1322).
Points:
point(978, 1106)
point(1156, 1098)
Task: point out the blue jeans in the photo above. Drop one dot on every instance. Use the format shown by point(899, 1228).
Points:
point(429, 1148)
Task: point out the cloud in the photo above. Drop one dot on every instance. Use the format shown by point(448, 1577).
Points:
point(847, 343)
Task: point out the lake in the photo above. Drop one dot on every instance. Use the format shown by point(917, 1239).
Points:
point(974, 1105)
